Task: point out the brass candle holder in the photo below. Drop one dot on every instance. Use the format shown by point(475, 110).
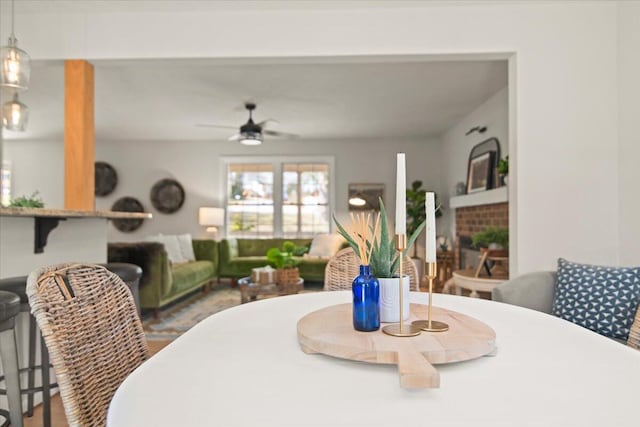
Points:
point(430, 325)
point(400, 329)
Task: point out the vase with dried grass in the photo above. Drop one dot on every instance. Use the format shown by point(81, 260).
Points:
point(365, 287)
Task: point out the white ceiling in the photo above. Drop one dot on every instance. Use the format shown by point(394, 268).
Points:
point(317, 99)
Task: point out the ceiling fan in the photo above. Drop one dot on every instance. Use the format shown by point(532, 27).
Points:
point(252, 133)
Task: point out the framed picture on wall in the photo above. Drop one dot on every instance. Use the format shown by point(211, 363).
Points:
point(365, 197)
point(480, 172)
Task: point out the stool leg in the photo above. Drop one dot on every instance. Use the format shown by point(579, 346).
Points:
point(9, 354)
point(46, 385)
point(31, 377)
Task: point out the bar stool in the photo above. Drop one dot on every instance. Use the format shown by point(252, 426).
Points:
point(18, 286)
point(9, 309)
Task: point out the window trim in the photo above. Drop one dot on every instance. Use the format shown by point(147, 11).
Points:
point(278, 162)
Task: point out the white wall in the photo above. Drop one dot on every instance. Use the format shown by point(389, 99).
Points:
point(196, 165)
point(37, 166)
point(456, 146)
point(566, 86)
point(629, 107)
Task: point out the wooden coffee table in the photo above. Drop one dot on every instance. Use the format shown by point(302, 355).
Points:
point(250, 290)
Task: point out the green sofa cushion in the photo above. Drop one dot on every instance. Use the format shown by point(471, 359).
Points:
point(259, 247)
point(187, 274)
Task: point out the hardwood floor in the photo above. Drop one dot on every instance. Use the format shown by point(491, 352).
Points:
point(58, 418)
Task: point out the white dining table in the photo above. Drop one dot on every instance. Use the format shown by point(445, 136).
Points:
point(244, 367)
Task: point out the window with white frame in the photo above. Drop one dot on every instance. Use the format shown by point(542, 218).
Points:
point(289, 197)
point(305, 199)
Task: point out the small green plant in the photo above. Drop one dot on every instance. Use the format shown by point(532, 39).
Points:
point(283, 258)
point(503, 166)
point(490, 235)
point(33, 201)
point(384, 257)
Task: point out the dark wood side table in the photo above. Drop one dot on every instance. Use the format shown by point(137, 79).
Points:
point(250, 290)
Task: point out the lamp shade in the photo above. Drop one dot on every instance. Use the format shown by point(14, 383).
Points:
point(15, 115)
point(211, 216)
point(16, 66)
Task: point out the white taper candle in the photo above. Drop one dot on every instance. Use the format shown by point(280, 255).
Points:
point(401, 193)
point(430, 209)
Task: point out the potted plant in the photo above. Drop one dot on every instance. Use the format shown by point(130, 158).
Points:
point(492, 238)
point(384, 262)
point(503, 170)
point(283, 260)
point(33, 201)
point(415, 209)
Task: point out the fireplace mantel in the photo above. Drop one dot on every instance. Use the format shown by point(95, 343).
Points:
point(489, 197)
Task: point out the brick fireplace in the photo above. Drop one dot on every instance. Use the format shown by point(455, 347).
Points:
point(472, 219)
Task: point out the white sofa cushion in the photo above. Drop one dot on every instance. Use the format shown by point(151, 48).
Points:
point(186, 247)
point(325, 245)
point(171, 245)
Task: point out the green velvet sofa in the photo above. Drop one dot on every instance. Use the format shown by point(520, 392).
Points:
point(163, 282)
point(239, 256)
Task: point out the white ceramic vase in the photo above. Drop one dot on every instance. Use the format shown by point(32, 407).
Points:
point(390, 300)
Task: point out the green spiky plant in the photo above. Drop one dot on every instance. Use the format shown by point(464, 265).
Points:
point(384, 260)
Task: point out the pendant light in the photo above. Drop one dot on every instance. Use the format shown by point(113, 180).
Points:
point(15, 115)
point(16, 63)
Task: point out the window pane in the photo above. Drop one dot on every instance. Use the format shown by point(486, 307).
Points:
point(314, 219)
point(305, 188)
point(289, 187)
point(250, 199)
point(315, 188)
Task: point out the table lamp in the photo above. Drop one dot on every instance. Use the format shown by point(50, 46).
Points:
point(211, 218)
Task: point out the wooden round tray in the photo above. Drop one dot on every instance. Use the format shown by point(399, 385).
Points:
point(330, 331)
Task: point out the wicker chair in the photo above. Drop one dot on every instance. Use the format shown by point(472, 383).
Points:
point(634, 334)
point(90, 324)
point(344, 266)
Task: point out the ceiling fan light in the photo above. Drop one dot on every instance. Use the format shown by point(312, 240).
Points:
point(251, 138)
point(15, 115)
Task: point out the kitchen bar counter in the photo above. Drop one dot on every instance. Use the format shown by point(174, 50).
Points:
point(66, 213)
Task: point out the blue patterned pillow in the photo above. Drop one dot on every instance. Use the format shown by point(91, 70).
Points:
point(603, 299)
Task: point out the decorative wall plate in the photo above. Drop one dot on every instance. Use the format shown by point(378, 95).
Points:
point(167, 196)
point(106, 179)
point(127, 204)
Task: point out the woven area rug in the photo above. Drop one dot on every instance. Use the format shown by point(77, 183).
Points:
point(179, 318)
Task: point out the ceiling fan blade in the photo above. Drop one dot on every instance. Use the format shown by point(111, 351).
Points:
point(234, 137)
point(205, 125)
point(282, 134)
point(264, 122)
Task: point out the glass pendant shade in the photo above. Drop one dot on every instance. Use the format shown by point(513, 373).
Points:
point(15, 115)
point(16, 66)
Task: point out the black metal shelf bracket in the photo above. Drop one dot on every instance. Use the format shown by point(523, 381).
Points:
point(43, 226)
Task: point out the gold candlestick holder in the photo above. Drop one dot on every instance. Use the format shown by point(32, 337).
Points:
point(430, 325)
point(400, 329)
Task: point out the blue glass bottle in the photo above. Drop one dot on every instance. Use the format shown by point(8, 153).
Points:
point(366, 298)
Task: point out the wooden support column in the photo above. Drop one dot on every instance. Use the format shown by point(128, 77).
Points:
point(79, 152)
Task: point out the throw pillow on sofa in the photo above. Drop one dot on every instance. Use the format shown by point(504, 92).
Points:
point(171, 245)
point(186, 247)
point(325, 245)
point(603, 299)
